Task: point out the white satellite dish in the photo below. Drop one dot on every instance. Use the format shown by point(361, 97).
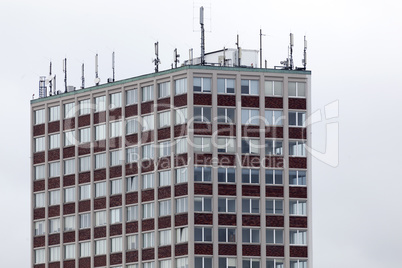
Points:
point(97, 80)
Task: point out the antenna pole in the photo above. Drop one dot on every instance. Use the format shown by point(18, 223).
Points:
point(260, 48)
point(224, 56)
point(176, 58)
point(65, 74)
point(156, 61)
point(202, 35)
point(238, 51)
point(190, 56)
point(82, 76)
point(291, 51)
point(50, 79)
point(113, 66)
point(96, 70)
point(305, 53)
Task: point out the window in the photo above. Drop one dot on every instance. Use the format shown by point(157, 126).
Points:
point(69, 138)
point(69, 251)
point(148, 181)
point(250, 205)
point(164, 90)
point(203, 204)
point(164, 119)
point(250, 175)
point(100, 247)
point(181, 116)
point(298, 264)
point(115, 129)
point(132, 242)
point(54, 226)
point(297, 148)
point(227, 205)
point(165, 264)
point(164, 178)
point(165, 238)
point(202, 174)
point(297, 89)
point(54, 141)
point(298, 237)
point(202, 144)
point(227, 234)
point(273, 147)
point(39, 144)
point(69, 166)
point(273, 88)
point(226, 115)
point(297, 119)
point(275, 263)
point(100, 189)
point(85, 220)
point(100, 218)
point(180, 86)
point(149, 264)
point(148, 240)
point(226, 175)
point(39, 227)
point(100, 132)
point(202, 234)
point(69, 223)
point(181, 205)
point(273, 118)
point(274, 206)
point(249, 87)
point(85, 163)
point(132, 155)
point(132, 184)
point(201, 84)
point(182, 262)
point(54, 169)
point(132, 213)
point(147, 122)
point(69, 110)
point(181, 145)
point(85, 249)
point(85, 135)
point(115, 216)
point(39, 256)
point(181, 235)
point(54, 113)
point(148, 211)
point(54, 197)
point(250, 146)
point(39, 200)
point(85, 107)
point(100, 161)
point(85, 192)
point(181, 175)
point(115, 158)
point(227, 262)
point(147, 93)
point(115, 100)
point(116, 244)
point(273, 176)
point(226, 145)
point(250, 117)
point(202, 114)
point(39, 172)
point(131, 97)
point(115, 187)
point(251, 235)
point(203, 262)
point(164, 149)
point(54, 254)
point(100, 104)
point(226, 85)
point(297, 177)
point(69, 195)
point(164, 208)
point(274, 236)
point(131, 126)
point(251, 263)
point(298, 207)
point(39, 116)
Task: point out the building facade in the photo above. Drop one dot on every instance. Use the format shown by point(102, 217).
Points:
point(198, 166)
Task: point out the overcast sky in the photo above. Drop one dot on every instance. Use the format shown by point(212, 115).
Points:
point(355, 56)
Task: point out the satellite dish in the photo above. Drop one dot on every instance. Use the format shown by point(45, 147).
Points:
point(97, 80)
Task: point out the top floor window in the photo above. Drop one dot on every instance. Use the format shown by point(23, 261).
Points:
point(69, 110)
point(115, 100)
point(249, 87)
point(273, 88)
point(39, 116)
point(131, 97)
point(201, 84)
point(164, 90)
point(180, 86)
point(147, 93)
point(297, 89)
point(226, 85)
point(85, 107)
point(100, 104)
point(54, 113)
point(297, 119)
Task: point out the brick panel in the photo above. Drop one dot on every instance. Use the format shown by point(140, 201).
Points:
point(202, 99)
point(164, 252)
point(298, 192)
point(203, 218)
point(164, 192)
point(132, 256)
point(181, 249)
point(84, 120)
point(297, 162)
point(53, 211)
point(148, 225)
point(115, 200)
point(100, 203)
point(99, 146)
point(251, 250)
point(298, 222)
point(147, 107)
point(164, 163)
point(226, 160)
point(275, 251)
point(131, 169)
point(226, 130)
point(54, 265)
point(53, 154)
point(85, 262)
point(53, 183)
point(147, 195)
point(69, 123)
point(132, 198)
point(99, 117)
point(115, 143)
point(250, 161)
point(131, 139)
point(68, 152)
point(227, 189)
point(180, 130)
point(100, 232)
point(297, 133)
point(273, 132)
point(226, 100)
point(275, 221)
point(131, 227)
point(116, 229)
point(164, 133)
point(250, 131)
point(53, 239)
point(147, 166)
point(84, 177)
point(39, 213)
point(250, 101)
point(53, 127)
point(39, 157)
point(298, 251)
point(203, 249)
point(202, 129)
point(180, 160)
point(274, 102)
point(275, 161)
point(69, 237)
point(147, 136)
point(227, 219)
point(297, 103)
point(163, 104)
point(68, 208)
point(39, 130)
point(250, 190)
point(100, 174)
point(180, 100)
point(164, 222)
point(131, 110)
point(100, 261)
point(274, 191)
point(116, 258)
point(69, 264)
point(39, 185)
point(203, 188)
point(84, 234)
point(203, 159)
point(251, 220)
point(39, 265)
point(227, 249)
point(180, 189)
point(114, 114)
point(39, 241)
point(84, 206)
point(181, 219)
point(148, 254)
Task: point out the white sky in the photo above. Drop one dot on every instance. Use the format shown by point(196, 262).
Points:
point(354, 53)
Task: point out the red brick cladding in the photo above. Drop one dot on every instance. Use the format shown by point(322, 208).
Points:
point(164, 252)
point(203, 249)
point(164, 192)
point(250, 131)
point(53, 211)
point(69, 264)
point(226, 160)
point(250, 160)
point(227, 249)
point(147, 107)
point(115, 143)
point(203, 188)
point(147, 165)
point(54, 265)
point(84, 120)
point(181, 219)
point(250, 101)
point(273, 132)
point(181, 250)
point(131, 110)
point(227, 189)
point(68, 208)
point(251, 220)
point(85, 262)
point(164, 222)
point(203, 218)
point(148, 225)
point(297, 103)
point(69, 152)
point(203, 159)
point(39, 213)
point(227, 219)
point(180, 160)
point(163, 104)
point(99, 146)
point(39, 241)
point(180, 189)
point(53, 183)
point(298, 192)
point(202, 99)
point(164, 163)
point(100, 261)
point(114, 114)
point(131, 139)
point(53, 155)
point(115, 200)
point(147, 136)
point(273, 102)
point(274, 161)
point(297, 133)
point(39, 158)
point(115, 172)
point(250, 190)
point(84, 206)
point(274, 221)
point(100, 232)
point(164, 133)
point(84, 177)
point(226, 100)
point(53, 239)
point(53, 127)
point(202, 129)
point(39, 185)
point(180, 130)
point(147, 195)
point(251, 250)
point(131, 169)
point(297, 162)
point(116, 258)
point(131, 227)
point(39, 130)
point(180, 100)
point(132, 256)
point(68, 180)
point(132, 198)
point(39, 265)
point(298, 222)
point(69, 123)
point(100, 203)
point(99, 117)
point(274, 191)
point(84, 234)
point(148, 254)
point(275, 251)
point(298, 251)
point(116, 229)
point(226, 130)
point(69, 237)
point(100, 175)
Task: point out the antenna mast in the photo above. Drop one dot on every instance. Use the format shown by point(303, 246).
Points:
point(238, 51)
point(97, 79)
point(261, 47)
point(82, 76)
point(50, 79)
point(202, 35)
point(176, 57)
point(65, 74)
point(113, 66)
point(291, 52)
point(305, 53)
point(190, 56)
point(156, 61)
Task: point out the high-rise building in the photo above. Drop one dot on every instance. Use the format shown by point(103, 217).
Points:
point(197, 166)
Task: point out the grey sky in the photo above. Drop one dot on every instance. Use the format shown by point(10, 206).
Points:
point(354, 54)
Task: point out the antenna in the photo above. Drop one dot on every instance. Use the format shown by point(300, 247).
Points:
point(175, 57)
point(97, 79)
point(305, 53)
point(202, 35)
point(50, 79)
point(224, 56)
point(190, 56)
point(113, 66)
point(291, 51)
point(156, 61)
point(265, 64)
point(261, 34)
point(42, 86)
point(238, 51)
point(65, 74)
point(82, 76)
